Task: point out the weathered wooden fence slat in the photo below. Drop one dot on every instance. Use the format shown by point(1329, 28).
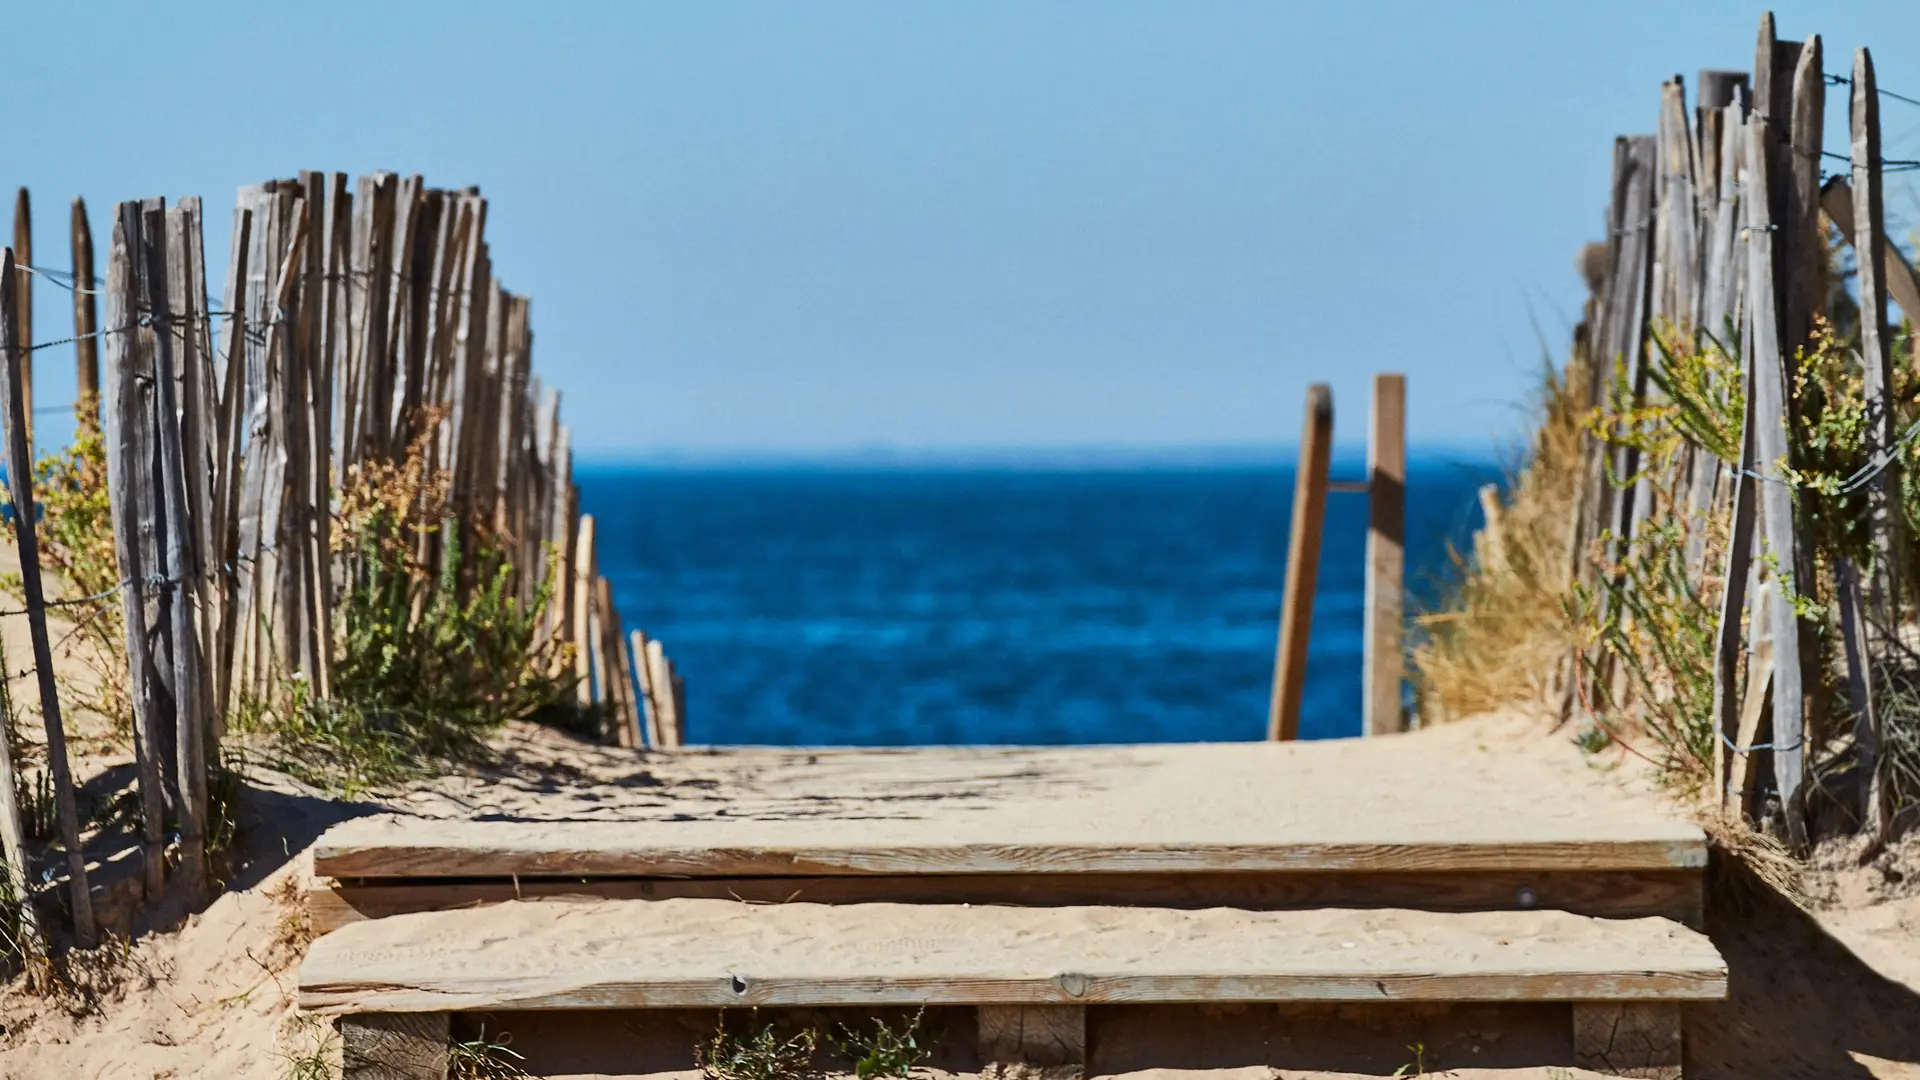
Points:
point(20, 484)
point(1303, 565)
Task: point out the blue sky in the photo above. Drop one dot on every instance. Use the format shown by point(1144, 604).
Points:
point(818, 228)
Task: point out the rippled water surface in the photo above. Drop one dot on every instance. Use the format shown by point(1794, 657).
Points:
point(891, 606)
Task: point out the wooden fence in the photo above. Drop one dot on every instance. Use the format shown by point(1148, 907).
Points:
point(1716, 235)
point(1383, 665)
point(359, 327)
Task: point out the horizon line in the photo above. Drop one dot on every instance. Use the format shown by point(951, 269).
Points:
point(1073, 456)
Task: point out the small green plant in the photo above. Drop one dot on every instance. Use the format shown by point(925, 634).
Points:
point(17, 943)
point(1592, 739)
point(75, 529)
point(315, 1045)
point(226, 777)
point(481, 1058)
point(430, 652)
point(1417, 1067)
point(762, 1055)
point(884, 1052)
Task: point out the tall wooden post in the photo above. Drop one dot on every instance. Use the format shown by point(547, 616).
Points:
point(23, 299)
point(190, 766)
point(1386, 559)
point(127, 447)
point(1303, 565)
point(643, 679)
point(1870, 245)
point(86, 349)
point(1769, 392)
point(20, 481)
point(584, 571)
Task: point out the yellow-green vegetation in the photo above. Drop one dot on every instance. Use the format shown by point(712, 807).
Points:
point(1501, 631)
point(76, 552)
point(483, 1058)
point(1627, 629)
point(883, 1052)
point(762, 1053)
point(432, 648)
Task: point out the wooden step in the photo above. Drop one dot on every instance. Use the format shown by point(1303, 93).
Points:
point(707, 953)
point(1423, 803)
point(1031, 973)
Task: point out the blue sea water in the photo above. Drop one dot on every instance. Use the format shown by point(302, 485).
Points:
point(899, 606)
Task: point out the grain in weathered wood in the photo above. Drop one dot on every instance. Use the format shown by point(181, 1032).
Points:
point(1382, 711)
point(86, 348)
point(278, 558)
point(198, 423)
point(252, 419)
point(1734, 603)
point(1041, 1036)
point(190, 806)
point(1801, 246)
point(1742, 795)
point(1676, 213)
point(229, 388)
point(1628, 1038)
point(1768, 386)
point(1303, 565)
point(405, 1046)
point(23, 299)
point(13, 845)
point(708, 953)
point(1876, 365)
point(125, 422)
point(1607, 894)
point(20, 486)
point(1311, 805)
point(1627, 336)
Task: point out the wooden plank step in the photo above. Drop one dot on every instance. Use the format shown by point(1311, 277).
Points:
point(1616, 894)
point(411, 848)
point(616, 954)
point(1425, 802)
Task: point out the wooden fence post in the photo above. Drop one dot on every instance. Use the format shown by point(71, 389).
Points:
point(126, 450)
point(23, 300)
point(13, 839)
point(86, 349)
point(1381, 709)
point(643, 685)
point(20, 481)
point(584, 571)
point(190, 767)
point(1733, 605)
point(666, 699)
point(1883, 524)
point(1303, 565)
point(616, 680)
point(1769, 390)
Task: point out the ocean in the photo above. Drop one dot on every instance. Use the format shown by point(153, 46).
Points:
point(890, 606)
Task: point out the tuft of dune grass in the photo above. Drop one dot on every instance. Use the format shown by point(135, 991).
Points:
point(1500, 634)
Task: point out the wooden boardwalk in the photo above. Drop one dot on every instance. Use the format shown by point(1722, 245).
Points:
point(1427, 802)
point(1467, 866)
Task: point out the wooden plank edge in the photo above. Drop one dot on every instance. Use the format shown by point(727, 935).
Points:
point(1670, 894)
point(733, 990)
point(400, 860)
